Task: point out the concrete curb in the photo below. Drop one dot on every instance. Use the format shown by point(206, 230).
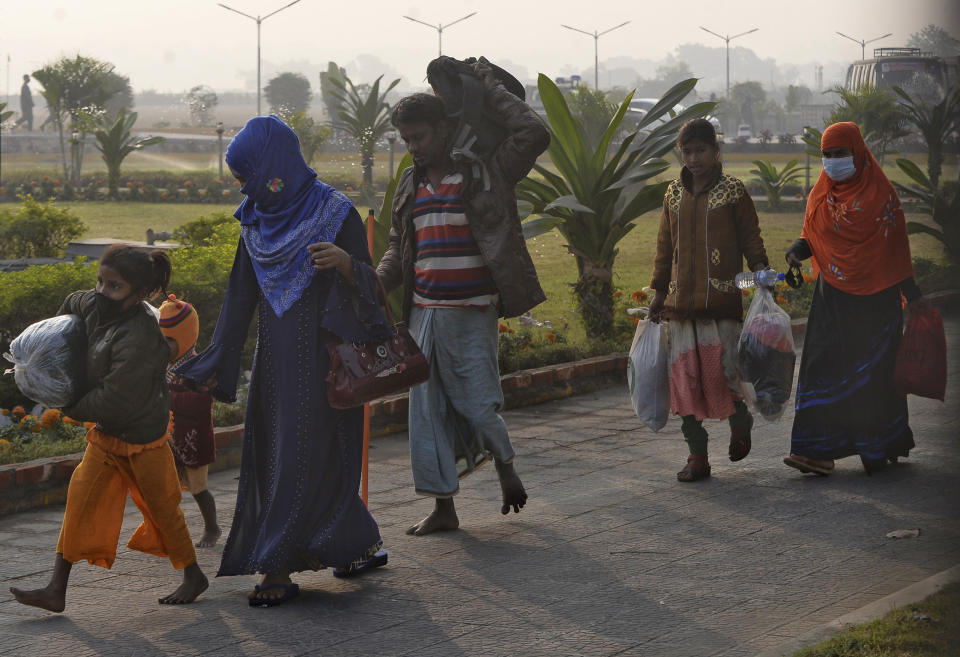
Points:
point(42, 482)
point(905, 596)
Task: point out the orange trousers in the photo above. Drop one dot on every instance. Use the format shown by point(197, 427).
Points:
point(98, 493)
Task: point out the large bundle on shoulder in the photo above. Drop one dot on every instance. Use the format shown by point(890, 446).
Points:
point(49, 360)
point(476, 131)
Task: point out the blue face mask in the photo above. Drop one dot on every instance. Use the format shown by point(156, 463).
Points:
point(839, 169)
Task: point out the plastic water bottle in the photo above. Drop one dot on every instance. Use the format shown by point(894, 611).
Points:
point(764, 278)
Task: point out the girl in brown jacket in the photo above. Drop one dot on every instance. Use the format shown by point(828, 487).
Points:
point(707, 228)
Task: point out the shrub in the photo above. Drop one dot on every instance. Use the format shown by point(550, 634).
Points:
point(37, 230)
point(200, 273)
point(200, 231)
point(933, 277)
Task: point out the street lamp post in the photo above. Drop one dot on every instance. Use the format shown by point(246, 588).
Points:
point(863, 43)
point(596, 48)
point(728, 39)
point(439, 28)
point(220, 147)
point(74, 157)
point(258, 20)
point(391, 139)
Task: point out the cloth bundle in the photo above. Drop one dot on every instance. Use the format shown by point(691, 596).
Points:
point(49, 359)
point(765, 356)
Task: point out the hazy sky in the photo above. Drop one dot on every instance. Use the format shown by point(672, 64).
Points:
point(172, 45)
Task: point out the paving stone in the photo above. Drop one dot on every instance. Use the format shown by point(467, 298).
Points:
point(611, 555)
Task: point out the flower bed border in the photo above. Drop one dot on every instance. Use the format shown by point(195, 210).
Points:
point(25, 486)
point(42, 482)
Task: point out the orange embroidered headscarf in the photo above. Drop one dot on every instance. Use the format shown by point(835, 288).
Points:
point(856, 228)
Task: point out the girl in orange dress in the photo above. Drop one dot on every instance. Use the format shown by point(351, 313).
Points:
point(128, 450)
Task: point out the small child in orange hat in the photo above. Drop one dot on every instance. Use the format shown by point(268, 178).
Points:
point(194, 448)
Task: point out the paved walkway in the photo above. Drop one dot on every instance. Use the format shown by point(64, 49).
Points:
point(612, 556)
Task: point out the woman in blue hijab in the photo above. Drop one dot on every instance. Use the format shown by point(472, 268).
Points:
point(303, 265)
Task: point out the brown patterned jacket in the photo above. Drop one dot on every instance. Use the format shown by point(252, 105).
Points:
point(701, 246)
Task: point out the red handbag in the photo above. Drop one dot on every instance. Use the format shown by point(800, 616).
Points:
point(361, 372)
point(921, 367)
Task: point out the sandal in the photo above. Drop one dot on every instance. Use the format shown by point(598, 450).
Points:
point(697, 467)
point(807, 465)
point(290, 591)
point(377, 559)
point(740, 442)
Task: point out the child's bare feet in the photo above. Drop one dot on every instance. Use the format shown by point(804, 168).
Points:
point(194, 583)
point(443, 518)
point(210, 537)
point(514, 495)
point(47, 598)
point(52, 597)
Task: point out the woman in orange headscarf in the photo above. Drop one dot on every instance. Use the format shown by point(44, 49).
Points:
point(855, 231)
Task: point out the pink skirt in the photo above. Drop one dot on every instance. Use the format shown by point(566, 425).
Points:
point(704, 381)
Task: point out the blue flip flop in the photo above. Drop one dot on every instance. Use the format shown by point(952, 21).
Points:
point(290, 591)
point(378, 559)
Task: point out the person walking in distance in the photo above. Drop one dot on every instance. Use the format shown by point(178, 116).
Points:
point(26, 105)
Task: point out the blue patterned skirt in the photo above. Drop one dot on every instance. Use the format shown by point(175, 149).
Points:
point(845, 402)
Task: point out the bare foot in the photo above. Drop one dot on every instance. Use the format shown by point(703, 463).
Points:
point(210, 537)
point(46, 598)
point(443, 518)
point(514, 495)
point(194, 583)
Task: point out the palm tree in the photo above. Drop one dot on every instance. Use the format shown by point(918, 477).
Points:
point(880, 119)
point(935, 123)
point(774, 181)
point(943, 208)
point(596, 195)
point(75, 86)
point(115, 142)
point(365, 115)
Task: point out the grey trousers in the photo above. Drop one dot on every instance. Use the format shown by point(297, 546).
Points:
point(454, 423)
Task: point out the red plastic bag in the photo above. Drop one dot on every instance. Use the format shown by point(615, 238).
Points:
point(921, 367)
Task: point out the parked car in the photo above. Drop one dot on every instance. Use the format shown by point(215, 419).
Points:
point(744, 130)
point(640, 106)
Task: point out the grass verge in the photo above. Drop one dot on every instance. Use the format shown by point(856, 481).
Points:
point(930, 628)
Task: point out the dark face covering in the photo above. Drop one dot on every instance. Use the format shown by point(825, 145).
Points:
point(109, 308)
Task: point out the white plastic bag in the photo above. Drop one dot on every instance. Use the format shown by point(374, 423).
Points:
point(765, 356)
point(48, 360)
point(647, 374)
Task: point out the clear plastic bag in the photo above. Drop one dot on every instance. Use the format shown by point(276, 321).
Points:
point(766, 357)
point(647, 374)
point(49, 360)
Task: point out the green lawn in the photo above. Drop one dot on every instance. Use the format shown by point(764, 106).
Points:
point(334, 166)
point(130, 220)
point(634, 264)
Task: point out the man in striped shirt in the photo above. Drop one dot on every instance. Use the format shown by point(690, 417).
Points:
point(457, 248)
